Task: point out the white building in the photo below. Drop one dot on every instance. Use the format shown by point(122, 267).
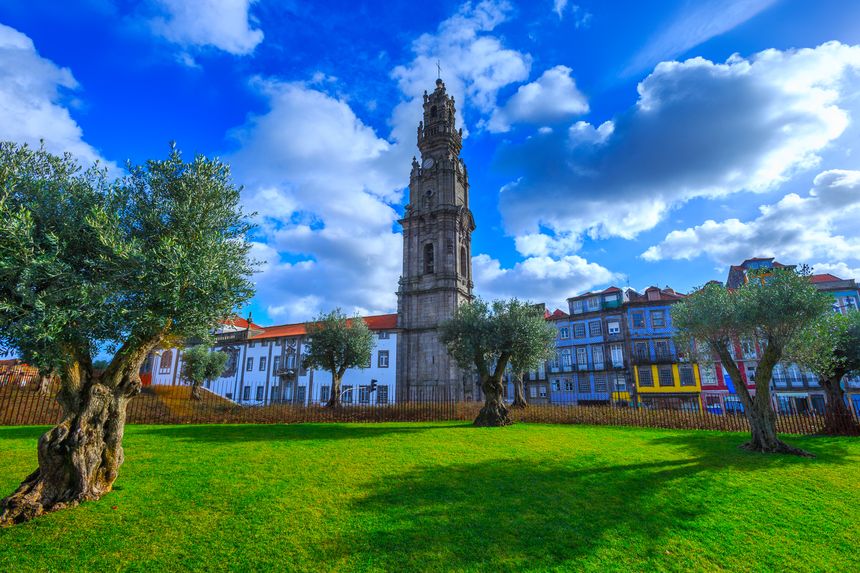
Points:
point(264, 366)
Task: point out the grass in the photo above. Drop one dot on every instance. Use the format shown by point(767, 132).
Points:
point(447, 497)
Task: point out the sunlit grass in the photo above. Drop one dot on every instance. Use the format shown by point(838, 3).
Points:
point(442, 497)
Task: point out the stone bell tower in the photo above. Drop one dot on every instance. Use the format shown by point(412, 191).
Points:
point(437, 257)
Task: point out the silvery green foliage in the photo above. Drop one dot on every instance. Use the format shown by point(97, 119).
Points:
point(337, 343)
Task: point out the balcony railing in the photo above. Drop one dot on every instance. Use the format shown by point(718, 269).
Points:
point(235, 336)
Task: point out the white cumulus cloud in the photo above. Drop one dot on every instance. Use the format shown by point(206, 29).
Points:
point(539, 279)
point(324, 185)
point(33, 95)
point(819, 226)
point(222, 24)
point(699, 129)
point(552, 98)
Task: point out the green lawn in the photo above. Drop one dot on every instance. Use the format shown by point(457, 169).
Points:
point(447, 497)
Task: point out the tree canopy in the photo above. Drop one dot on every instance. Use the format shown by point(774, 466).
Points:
point(199, 366)
point(771, 308)
point(88, 263)
point(337, 343)
point(490, 336)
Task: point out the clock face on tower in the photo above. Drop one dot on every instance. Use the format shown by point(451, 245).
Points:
point(428, 163)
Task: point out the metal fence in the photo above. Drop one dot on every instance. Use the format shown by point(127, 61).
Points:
point(173, 405)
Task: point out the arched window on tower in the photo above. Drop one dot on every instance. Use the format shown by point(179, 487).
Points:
point(464, 265)
point(428, 259)
point(433, 111)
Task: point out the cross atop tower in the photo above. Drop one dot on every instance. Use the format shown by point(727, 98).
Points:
point(438, 70)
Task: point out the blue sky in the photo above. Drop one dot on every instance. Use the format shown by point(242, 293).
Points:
point(607, 142)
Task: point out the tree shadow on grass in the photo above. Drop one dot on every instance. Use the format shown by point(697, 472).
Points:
point(286, 432)
point(512, 515)
point(713, 450)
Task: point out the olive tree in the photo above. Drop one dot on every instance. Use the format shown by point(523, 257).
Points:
point(199, 366)
point(88, 263)
point(830, 348)
point(337, 343)
point(491, 336)
point(772, 309)
point(534, 343)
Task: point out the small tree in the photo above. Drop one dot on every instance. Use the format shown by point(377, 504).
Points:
point(336, 344)
point(491, 337)
point(87, 264)
point(830, 348)
point(199, 366)
point(771, 309)
point(534, 343)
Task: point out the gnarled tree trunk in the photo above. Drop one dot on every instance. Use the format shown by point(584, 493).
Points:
point(334, 397)
point(519, 393)
point(79, 458)
point(195, 391)
point(758, 409)
point(494, 412)
point(838, 419)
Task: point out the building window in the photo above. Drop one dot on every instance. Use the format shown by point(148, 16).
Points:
point(617, 353)
point(262, 363)
point(542, 391)
point(325, 390)
point(686, 373)
point(568, 385)
point(600, 382)
point(641, 350)
point(584, 384)
point(276, 393)
point(533, 391)
point(260, 391)
point(658, 318)
point(582, 357)
point(382, 394)
point(579, 330)
point(661, 349)
point(347, 394)
point(428, 259)
point(748, 349)
point(300, 394)
point(166, 362)
point(750, 369)
point(577, 307)
point(565, 358)
point(383, 335)
point(593, 303)
point(613, 328)
point(229, 395)
point(597, 357)
point(638, 319)
point(276, 364)
point(620, 383)
point(251, 344)
point(364, 395)
point(246, 393)
point(665, 374)
point(249, 364)
point(564, 332)
point(464, 262)
point(645, 379)
point(708, 374)
point(794, 375)
point(594, 328)
point(382, 359)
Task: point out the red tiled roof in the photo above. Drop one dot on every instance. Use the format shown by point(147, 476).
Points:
point(376, 322)
point(241, 323)
point(558, 313)
point(610, 290)
point(824, 278)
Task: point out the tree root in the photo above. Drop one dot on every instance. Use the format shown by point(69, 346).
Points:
point(779, 447)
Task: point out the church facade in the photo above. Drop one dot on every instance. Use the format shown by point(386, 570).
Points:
point(437, 257)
